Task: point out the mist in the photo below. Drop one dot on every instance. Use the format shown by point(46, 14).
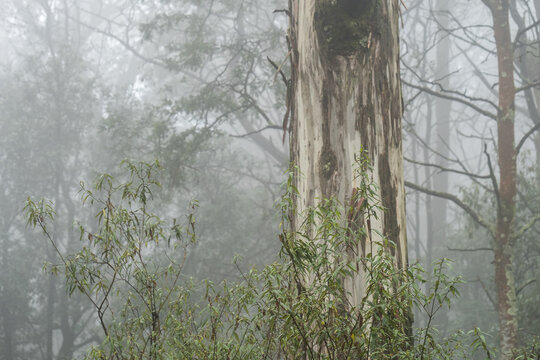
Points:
point(178, 118)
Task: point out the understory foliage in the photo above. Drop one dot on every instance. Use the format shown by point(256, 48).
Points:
point(130, 269)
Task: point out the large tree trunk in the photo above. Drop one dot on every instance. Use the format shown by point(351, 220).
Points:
point(504, 275)
point(346, 96)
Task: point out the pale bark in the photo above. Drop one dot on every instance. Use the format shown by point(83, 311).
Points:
point(429, 201)
point(442, 108)
point(347, 97)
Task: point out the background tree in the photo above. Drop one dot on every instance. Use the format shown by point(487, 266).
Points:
point(85, 112)
point(470, 40)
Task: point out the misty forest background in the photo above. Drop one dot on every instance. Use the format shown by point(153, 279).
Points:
point(85, 84)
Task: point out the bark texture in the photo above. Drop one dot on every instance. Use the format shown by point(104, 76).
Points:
point(504, 275)
point(346, 96)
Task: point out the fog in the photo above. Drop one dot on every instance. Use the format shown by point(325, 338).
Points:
point(88, 87)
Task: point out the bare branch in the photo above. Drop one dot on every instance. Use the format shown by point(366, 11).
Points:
point(286, 11)
point(276, 127)
point(525, 285)
point(492, 176)
point(279, 69)
point(477, 71)
point(471, 250)
point(526, 227)
point(452, 98)
point(526, 136)
point(528, 86)
point(479, 220)
point(449, 159)
point(447, 169)
point(487, 293)
point(524, 30)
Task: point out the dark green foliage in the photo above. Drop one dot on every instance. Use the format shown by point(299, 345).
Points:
point(214, 58)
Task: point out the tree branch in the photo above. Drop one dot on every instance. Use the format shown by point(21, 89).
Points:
point(487, 293)
point(446, 169)
point(526, 136)
point(276, 127)
point(528, 86)
point(526, 227)
point(471, 250)
point(456, 201)
point(452, 98)
point(493, 177)
point(525, 285)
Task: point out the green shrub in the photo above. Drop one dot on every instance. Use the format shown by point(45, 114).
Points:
point(130, 269)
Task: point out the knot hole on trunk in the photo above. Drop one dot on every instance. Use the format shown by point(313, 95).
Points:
point(345, 27)
point(327, 163)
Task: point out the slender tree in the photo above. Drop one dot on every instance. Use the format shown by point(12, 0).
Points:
point(506, 209)
point(502, 225)
point(442, 108)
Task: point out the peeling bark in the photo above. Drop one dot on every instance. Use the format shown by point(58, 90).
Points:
point(347, 97)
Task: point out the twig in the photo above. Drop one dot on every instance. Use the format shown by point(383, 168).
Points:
point(524, 286)
point(279, 68)
point(446, 169)
point(286, 11)
point(452, 98)
point(471, 250)
point(526, 136)
point(526, 227)
point(487, 293)
point(528, 86)
point(257, 131)
point(493, 178)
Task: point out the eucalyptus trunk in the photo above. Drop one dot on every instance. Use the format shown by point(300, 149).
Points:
point(346, 98)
